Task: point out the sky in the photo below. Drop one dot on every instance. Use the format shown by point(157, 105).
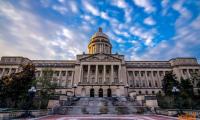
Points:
point(138, 29)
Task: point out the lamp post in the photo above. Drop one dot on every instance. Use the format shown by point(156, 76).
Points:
point(127, 86)
point(75, 86)
point(175, 90)
point(31, 95)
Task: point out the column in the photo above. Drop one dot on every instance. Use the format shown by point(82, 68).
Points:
point(59, 79)
point(9, 72)
point(112, 78)
point(88, 74)
point(146, 77)
point(96, 75)
point(140, 80)
point(104, 73)
point(119, 74)
point(72, 80)
point(188, 73)
point(152, 79)
point(3, 71)
point(81, 67)
point(66, 82)
point(134, 83)
point(159, 79)
point(103, 48)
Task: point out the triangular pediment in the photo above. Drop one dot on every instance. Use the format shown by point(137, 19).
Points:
point(100, 57)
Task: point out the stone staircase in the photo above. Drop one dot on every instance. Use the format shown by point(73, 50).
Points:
point(98, 105)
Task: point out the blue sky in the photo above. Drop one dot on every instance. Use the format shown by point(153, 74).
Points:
point(139, 29)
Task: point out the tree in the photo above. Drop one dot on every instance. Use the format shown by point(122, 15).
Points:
point(14, 87)
point(195, 78)
point(186, 87)
point(46, 88)
point(168, 82)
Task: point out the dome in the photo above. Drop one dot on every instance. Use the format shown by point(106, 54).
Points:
point(99, 34)
point(99, 43)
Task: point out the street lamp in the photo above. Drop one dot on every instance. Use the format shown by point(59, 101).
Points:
point(127, 86)
point(75, 86)
point(175, 90)
point(29, 100)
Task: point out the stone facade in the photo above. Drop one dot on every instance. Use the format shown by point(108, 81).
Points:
point(101, 73)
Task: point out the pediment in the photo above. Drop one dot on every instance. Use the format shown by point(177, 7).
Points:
point(100, 58)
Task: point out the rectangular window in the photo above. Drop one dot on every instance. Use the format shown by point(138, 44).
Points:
point(136, 73)
point(70, 73)
point(63, 73)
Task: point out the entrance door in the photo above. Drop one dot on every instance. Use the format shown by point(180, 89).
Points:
point(100, 92)
point(92, 92)
point(109, 92)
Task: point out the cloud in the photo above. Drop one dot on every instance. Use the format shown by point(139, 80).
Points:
point(61, 9)
point(149, 21)
point(73, 7)
point(185, 14)
point(146, 35)
point(185, 43)
point(91, 9)
point(127, 9)
point(145, 4)
point(38, 39)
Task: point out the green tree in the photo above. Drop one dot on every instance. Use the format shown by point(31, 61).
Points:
point(186, 88)
point(45, 87)
point(168, 82)
point(14, 87)
point(195, 78)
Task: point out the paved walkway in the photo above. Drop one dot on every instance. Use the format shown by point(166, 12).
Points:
point(106, 117)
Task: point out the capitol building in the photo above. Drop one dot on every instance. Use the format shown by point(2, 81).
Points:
point(100, 73)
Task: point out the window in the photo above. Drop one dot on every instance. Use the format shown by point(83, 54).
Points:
point(146, 92)
point(153, 92)
point(148, 73)
point(107, 71)
point(136, 73)
point(149, 84)
point(142, 73)
point(140, 92)
point(100, 71)
point(156, 84)
point(93, 71)
point(161, 73)
point(154, 73)
point(63, 73)
point(70, 73)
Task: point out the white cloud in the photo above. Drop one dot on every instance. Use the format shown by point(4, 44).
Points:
point(91, 8)
point(120, 3)
point(145, 4)
point(149, 21)
point(73, 7)
point(185, 43)
point(185, 14)
point(61, 9)
point(127, 9)
point(145, 35)
point(38, 39)
point(123, 33)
